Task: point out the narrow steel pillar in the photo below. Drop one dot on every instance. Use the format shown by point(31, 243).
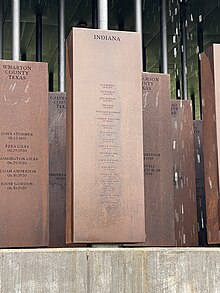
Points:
point(163, 33)
point(200, 50)
point(103, 14)
point(183, 49)
point(200, 35)
point(15, 29)
point(39, 37)
point(138, 15)
point(61, 49)
point(178, 89)
point(1, 27)
point(51, 82)
point(23, 57)
point(138, 19)
point(121, 16)
point(193, 99)
point(144, 57)
point(94, 14)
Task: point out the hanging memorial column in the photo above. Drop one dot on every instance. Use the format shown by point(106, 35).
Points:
point(105, 180)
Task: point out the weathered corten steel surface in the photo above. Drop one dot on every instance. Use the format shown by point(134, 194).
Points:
point(210, 77)
point(105, 180)
point(158, 166)
point(57, 169)
point(200, 190)
point(184, 173)
point(23, 154)
point(147, 270)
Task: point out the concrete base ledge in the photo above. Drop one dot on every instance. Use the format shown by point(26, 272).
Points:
point(110, 270)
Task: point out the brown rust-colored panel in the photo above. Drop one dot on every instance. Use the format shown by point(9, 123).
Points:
point(57, 168)
point(211, 129)
point(158, 166)
point(200, 190)
point(69, 140)
point(158, 177)
point(184, 173)
point(23, 154)
point(107, 144)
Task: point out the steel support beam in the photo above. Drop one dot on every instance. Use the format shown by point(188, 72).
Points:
point(178, 89)
point(121, 16)
point(94, 14)
point(163, 33)
point(23, 57)
point(138, 19)
point(39, 37)
point(183, 49)
point(61, 48)
point(103, 14)
point(1, 27)
point(15, 29)
point(51, 82)
point(200, 50)
point(138, 15)
point(193, 105)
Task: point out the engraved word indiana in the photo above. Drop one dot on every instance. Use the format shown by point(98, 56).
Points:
point(106, 38)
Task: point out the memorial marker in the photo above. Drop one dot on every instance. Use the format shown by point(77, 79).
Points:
point(57, 168)
point(105, 180)
point(200, 190)
point(23, 154)
point(210, 72)
point(184, 173)
point(158, 179)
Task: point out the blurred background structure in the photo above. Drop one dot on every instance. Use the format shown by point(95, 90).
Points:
point(174, 32)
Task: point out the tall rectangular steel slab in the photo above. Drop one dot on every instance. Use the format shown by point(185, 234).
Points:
point(105, 180)
point(23, 154)
point(184, 173)
point(200, 189)
point(57, 168)
point(210, 77)
point(158, 179)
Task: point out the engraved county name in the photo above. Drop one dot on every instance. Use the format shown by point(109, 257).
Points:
point(16, 72)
